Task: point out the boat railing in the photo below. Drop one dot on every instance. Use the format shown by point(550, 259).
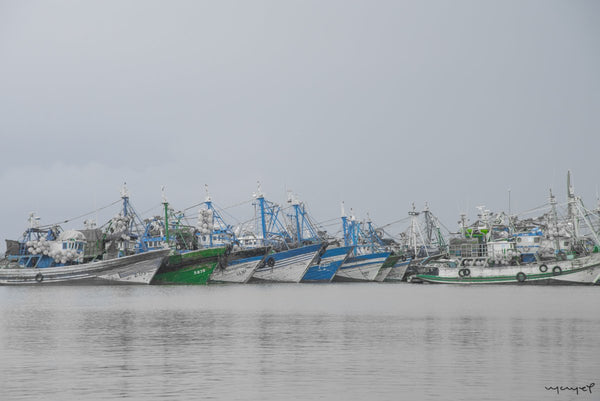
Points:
point(468, 250)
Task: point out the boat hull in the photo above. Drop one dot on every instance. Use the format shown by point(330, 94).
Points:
point(387, 267)
point(287, 266)
point(361, 267)
point(134, 269)
point(329, 264)
point(239, 266)
point(398, 271)
point(584, 270)
point(194, 267)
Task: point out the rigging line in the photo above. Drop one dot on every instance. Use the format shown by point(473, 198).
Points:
point(149, 210)
point(327, 221)
point(238, 204)
point(395, 222)
point(444, 227)
point(83, 215)
point(219, 209)
point(545, 205)
point(193, 206)
point(228, 207)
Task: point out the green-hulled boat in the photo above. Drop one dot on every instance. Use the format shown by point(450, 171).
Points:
point(190, 267)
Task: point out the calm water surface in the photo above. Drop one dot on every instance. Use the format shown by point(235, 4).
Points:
point(275, 342)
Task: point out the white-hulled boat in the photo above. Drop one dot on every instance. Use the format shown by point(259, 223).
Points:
point(581, 270)
point(361, 267)
point(52, 256)
point(134, 269)
point(287, 266)
point(239, 266)
point(398, 270)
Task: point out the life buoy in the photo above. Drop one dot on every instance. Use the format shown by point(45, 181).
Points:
point(543, 268)
point(556, 271)
point(39, 277)
point(464, 272)
point(526, 249)
point(270, 262)
point(521, 277)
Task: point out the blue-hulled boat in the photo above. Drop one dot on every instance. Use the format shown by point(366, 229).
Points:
point(288, 266)
point(369, 253)
point(324, 269)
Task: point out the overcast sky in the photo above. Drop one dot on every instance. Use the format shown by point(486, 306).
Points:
point(377, 103)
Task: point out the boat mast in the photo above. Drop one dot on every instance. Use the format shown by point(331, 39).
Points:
point(581, 210)
point(554, 220)
point(261, 202)
point(208, 203)
point(371, 232)
point(125, 197)
point(429, 226)
point(415, 230)
point(463, 224)
point(166, 205)
point(572, 206)
point(296, 205)
point(345, 226)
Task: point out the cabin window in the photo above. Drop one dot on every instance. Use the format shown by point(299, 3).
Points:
point(64, 245)
point(537, 240)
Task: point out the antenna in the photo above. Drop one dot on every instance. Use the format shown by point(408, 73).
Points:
point(164, 196)
point(343, 210)
point(33, 220)
point(124, 192)
point(509, 203)
point(207, 194)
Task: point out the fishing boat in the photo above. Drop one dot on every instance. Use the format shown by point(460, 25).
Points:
point(190, 267)
point(327, 265)
point(518, 256)
point(582, 270)
point(186, 264)
point(361, 267)
point(368, 255)
point(285, 265)
point(387, 267)
point(237, 265)
point(398, 270)
point(304, 231)
point(418, 243)
point(52, 256)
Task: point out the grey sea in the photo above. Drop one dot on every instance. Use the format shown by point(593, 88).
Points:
point(310, 342)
